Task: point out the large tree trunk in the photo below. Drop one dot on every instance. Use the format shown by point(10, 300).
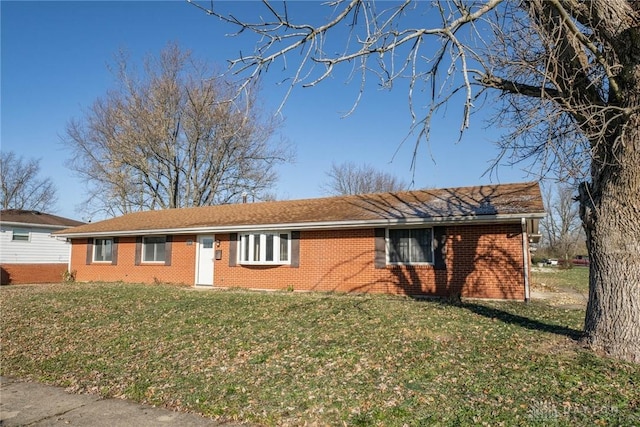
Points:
point(610, 209)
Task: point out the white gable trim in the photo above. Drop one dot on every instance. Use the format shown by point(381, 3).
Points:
point(32, 225)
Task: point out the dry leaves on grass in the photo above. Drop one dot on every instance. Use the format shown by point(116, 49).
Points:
point(283, 359)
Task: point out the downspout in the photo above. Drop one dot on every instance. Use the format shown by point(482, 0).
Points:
point(69, 262)
point(525, 258)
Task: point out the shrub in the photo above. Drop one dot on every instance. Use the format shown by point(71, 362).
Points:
point(69, 276)
point(565, 264)
point(537, 260)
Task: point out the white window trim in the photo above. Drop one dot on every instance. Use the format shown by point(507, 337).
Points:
point(144, 252)
point(101, 261)
point(23, 230)
point(263, 247)
point(388, 247)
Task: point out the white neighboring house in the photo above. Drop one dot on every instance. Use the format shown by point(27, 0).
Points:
point(28, 252)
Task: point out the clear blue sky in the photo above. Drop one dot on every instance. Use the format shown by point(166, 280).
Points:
point(54, 58)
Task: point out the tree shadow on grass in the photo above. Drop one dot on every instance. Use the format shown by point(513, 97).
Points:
point(519, 320)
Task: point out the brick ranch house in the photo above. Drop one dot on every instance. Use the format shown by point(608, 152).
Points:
point(471, 242)
point(28, 251)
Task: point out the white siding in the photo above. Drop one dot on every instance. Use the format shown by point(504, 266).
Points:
point(40, 249)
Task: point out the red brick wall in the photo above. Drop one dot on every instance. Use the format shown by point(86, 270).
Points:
point(487, 261)
point(181, 270)
point(481, 261)
point(32, 273)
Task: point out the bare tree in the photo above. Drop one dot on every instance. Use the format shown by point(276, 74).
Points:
point(173, 136)
point(348, 178)
point(567, 73)
point(20, 186)
point(562, 229)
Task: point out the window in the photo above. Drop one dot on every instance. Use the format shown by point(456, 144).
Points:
point(153, 249)
point(264, 248)
point(103, 250)
point(20, 234)
point(410, 246)
point(207, 243)
point(284, 247)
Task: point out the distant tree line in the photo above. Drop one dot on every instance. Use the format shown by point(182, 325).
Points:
point(563, 236)
point(350, 178)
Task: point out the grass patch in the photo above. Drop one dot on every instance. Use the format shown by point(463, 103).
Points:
point(294, 358)
point(576, 279)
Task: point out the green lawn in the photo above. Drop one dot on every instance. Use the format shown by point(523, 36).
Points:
point(576, 278)
point(285, 358)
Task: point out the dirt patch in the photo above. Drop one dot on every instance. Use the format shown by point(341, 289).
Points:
point(563, 298)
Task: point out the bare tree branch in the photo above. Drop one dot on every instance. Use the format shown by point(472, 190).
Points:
point(564, 76)
point(348, 179)
point(20, 186)
point(174, 136)
point(561, 229)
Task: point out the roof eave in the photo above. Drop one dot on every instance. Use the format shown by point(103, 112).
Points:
point(34, 225)
point(324, 225)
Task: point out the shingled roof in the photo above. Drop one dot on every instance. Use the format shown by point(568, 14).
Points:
point(36, 219)
point(485, 203)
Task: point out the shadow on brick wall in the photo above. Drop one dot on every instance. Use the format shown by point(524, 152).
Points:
point(5, 277)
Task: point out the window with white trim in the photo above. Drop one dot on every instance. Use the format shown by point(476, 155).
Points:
point(410, 246)
point(265, 248)
point(20, 235)
point(153, 248)
point(102, 250)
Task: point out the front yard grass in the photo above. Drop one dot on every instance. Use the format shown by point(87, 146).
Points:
point(559, 279)
point(286, 358)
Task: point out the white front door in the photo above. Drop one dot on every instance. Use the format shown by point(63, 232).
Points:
point(206, 255)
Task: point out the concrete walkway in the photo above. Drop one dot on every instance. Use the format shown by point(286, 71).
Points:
point(33, 404)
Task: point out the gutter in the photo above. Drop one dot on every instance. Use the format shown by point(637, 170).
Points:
point(332, 225)
point(525, 259)
point(33, 225)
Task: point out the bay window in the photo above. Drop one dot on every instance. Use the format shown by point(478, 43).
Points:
point(264, 248)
